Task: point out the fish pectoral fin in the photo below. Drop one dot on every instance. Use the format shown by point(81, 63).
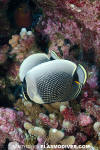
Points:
point(37, 99)
point(33, 95)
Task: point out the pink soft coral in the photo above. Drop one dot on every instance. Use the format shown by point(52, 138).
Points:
point(93, 109)
point(92, 80)
point(69, 115)
point(11, 124)
point(84, 120)
point(46, 121)
point(2, 138)
point(77, 20)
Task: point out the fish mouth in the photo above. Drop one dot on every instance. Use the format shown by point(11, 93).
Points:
point(75, 90)
point(79, 79)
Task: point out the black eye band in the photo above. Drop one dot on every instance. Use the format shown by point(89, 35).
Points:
point(75, 77)
point(25, 91)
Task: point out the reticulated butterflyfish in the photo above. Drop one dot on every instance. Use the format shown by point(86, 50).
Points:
point(53, 81)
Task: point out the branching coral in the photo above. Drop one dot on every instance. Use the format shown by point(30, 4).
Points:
point(11, 125)
point(22, 44)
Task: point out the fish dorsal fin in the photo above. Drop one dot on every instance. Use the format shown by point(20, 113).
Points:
point(30, 62)
point(53, 55)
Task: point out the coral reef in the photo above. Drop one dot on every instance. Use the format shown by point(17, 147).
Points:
point(22, 44)
point(14, 146)
point(74, 20)
point(84, 120)
point(3, 53)
point(11, 125)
